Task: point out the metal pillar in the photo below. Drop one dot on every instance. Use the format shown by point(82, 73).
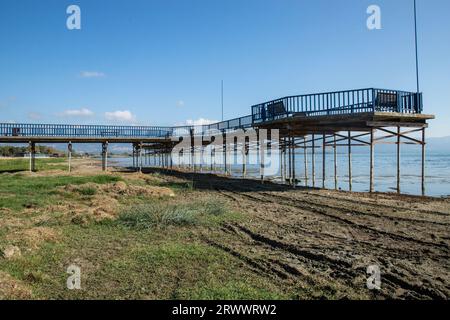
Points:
point(294, 179)
point(313, 161)
point(224, 137)
point(398, 158)
point(335, 163)
point(372, 160)
point(69, 150)
point(32, 147)
point(423, 161)
point(140, 157)
point(261, 157)
point(105, 156)
point(350, 181)
point(284, 162)
point(305, 147)
point(244, 158)
point(324, 161)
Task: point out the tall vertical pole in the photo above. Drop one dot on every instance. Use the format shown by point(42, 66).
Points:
point(417, 54)
point(423, 161)
point(398, 159)
point(372, 160)
point(324, 146)
point(350, 178)
point(222, 98)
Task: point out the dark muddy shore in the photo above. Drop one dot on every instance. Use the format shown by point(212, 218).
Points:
point(325, 240)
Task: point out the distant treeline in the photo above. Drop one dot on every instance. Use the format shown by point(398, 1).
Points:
point(10, 151)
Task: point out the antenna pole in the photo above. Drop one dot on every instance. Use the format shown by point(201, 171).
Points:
point(417, 55)
point(222, 100)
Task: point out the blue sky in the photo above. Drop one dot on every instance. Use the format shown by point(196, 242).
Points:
point(161, 62)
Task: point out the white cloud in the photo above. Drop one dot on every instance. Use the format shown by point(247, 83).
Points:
point(34, 116)
point(120, 116)
point(83, 112)
point(180, 103)
point(199, 122)
point(92, 74)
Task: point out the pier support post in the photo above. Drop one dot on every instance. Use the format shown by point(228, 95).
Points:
point(423, 161)
point(284, 162)
point(32, 147)
point(294, 179)
point(244, 158)
point(324, 146)
point(140, 157)
point(69, 155)
point(192, 167)
point(104, 156)
point(281, 162)
point(305, 153)
point(262, 145)
point(335, 163)
point(350, 178)
point(372, 160)
point(313, 160)
point(398, 159)
point(224, 149)
point(289, 146)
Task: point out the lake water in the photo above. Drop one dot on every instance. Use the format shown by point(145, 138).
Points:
point(437, 171)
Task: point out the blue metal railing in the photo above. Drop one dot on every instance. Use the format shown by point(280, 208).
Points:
point(82, 131)
point(330, 103)
point(340, 102)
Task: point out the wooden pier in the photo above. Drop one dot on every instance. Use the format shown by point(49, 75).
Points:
point(308, 125)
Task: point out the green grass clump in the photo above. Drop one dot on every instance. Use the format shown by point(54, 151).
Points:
point(161, 214)
point(87, 191)
point(20, 191)
point(23, 164)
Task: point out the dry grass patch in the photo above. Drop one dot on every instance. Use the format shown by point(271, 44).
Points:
point(34, 237)
point(11, 288)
